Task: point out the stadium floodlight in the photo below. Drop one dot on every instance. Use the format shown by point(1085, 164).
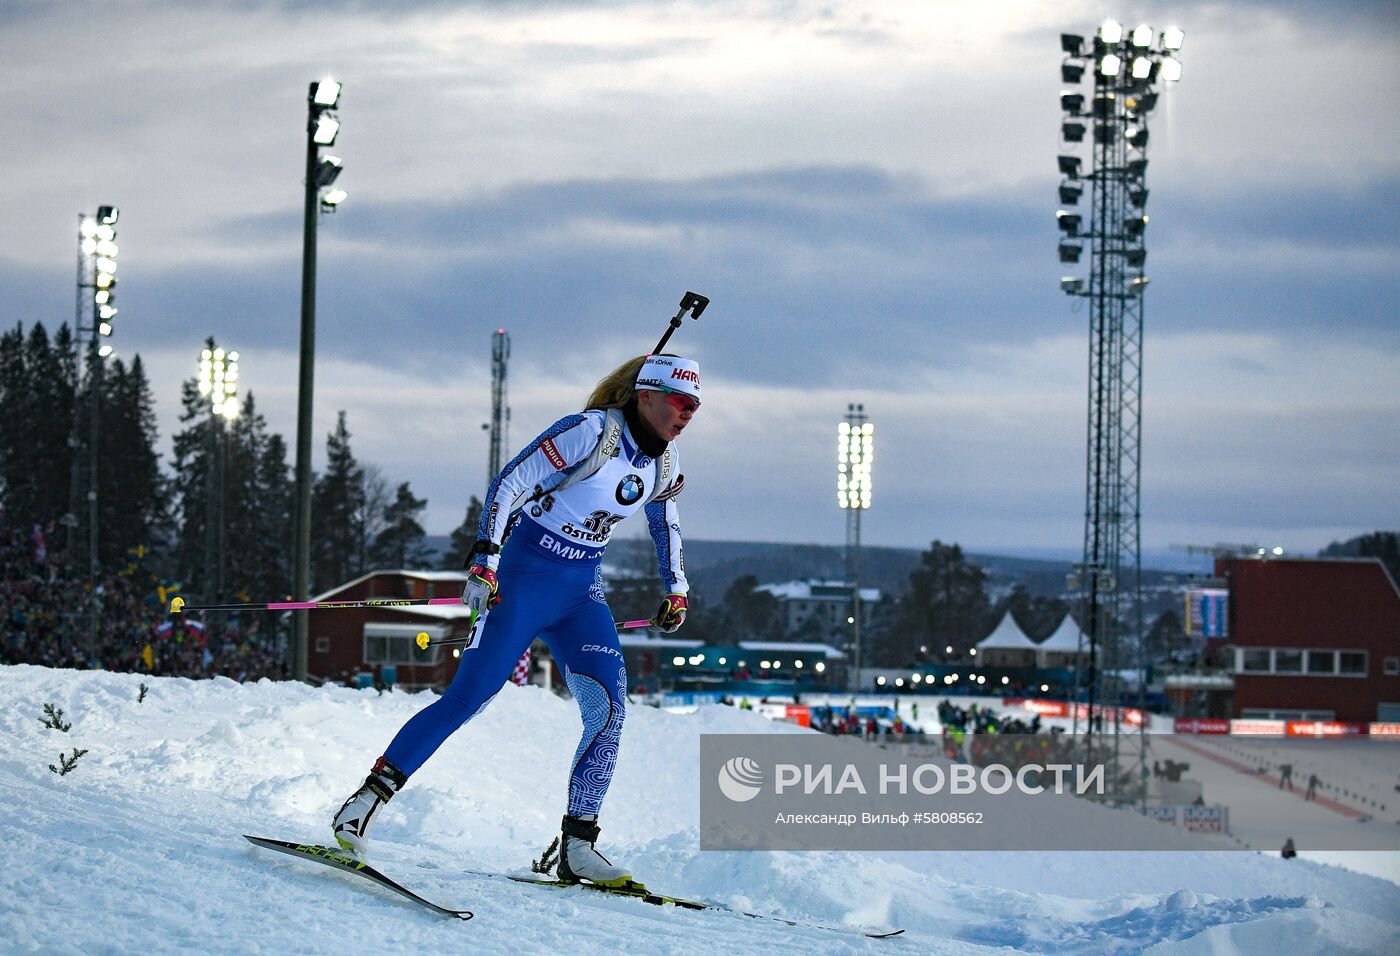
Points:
point(1142, 67)
point(326, 94)
point(1071, 285)
point(1070, 193)
point(1137, 168)
point(326, 131)
point(106, 312)
point(1072, 102)
point(218, 381)
point(1138, 285)
point(1143, 103)
point(104, 351)
point(104, 328)
point(1137, 195)
point(1137, 136)
point(1142, 36)
point(1073, 132)
point(327, 170)
point(1069, 222)
point(1171, 69)
point(334, 198)
point(104, 232)
point(102, 296)
point(854, 453)
point(1071, 72)
point(1071, 43)
point(105, 265)
point(1070, 252)
point(1135, 225)
point(1111, 31)
point(105, 280)
point(105, 247)
point(108, 215)
point(1105, 105)
point(1069, 166)
point(1172, 39)
point(1110, 64)
point(1136, 258)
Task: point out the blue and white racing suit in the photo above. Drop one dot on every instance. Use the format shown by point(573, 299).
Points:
point(551, 585)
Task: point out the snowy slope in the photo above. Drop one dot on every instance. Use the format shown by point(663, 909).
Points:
point(139, 848)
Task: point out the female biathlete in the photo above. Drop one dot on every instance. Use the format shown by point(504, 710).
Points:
point(578, 480)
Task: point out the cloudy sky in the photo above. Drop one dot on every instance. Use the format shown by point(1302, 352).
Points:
point(866, 190)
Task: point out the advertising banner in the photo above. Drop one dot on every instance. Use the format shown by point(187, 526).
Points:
point(1200, 725)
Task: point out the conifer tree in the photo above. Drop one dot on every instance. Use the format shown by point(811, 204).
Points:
point(463, 537)
point(131, 489)
point(400, 544)
point(192, 460)
point(335, 506)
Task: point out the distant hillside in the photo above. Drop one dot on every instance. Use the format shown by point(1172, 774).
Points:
point(713, 565)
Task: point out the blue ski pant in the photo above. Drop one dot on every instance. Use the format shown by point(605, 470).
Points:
point(562, 601)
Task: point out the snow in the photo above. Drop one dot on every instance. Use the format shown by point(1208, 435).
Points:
point(139, 849)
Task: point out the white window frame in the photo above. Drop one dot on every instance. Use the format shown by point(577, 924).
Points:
point(1336, 653)
point(400, 649)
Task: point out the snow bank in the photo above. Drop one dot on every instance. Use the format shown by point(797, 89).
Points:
point(139, 848)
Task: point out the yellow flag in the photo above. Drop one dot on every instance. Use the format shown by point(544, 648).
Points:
point(148, 658)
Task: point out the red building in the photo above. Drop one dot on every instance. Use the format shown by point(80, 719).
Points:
point(380, 641)
point(1314, 639)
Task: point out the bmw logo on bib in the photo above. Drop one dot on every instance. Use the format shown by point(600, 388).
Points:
point(629, 490)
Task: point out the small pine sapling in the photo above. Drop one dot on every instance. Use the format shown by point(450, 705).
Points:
point(53, 719)
point(67, 763)
point(545, 864)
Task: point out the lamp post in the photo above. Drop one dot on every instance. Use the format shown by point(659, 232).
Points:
point(855, 449)
point(321, 130)
point(218, 383)
point(94, 318)
point(1128, 67)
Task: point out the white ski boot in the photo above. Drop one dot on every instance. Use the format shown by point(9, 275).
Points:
point(580, 860)
point(351, 825)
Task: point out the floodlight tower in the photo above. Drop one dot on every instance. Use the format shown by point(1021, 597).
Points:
point(95, 315)
point(1128, 67)
point(218, 383)
point(500, 412)
point(321, 130)
point(855, 450)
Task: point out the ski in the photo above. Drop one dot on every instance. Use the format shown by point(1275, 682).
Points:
point(344, 861)
point(640, 892)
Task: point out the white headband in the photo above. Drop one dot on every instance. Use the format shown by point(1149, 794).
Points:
point(669, 373)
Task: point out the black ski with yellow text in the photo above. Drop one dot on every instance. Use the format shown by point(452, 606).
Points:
point(344, 861)
point(640, 892)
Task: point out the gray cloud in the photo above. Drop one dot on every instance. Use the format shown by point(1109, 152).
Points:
point(866, 190)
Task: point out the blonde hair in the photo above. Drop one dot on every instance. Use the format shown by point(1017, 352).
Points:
point(618, 387)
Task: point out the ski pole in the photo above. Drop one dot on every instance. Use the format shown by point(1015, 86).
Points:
point(424, 641)
point(692, 302)
point(178, 606)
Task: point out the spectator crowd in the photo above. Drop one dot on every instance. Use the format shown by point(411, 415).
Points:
point(121, 625)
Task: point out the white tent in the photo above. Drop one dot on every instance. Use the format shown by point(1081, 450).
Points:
point(1007, 644)
point(1008, 636)
point(1064, 642)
